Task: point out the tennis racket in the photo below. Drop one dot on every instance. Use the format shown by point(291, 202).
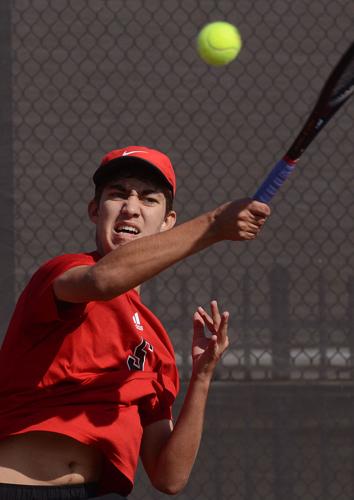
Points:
point(338, 88)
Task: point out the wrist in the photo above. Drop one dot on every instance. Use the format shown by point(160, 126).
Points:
point(202, 379)
point(217, 222)
point(209, 219)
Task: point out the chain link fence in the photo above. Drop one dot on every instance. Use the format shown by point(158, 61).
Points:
point(90, 76)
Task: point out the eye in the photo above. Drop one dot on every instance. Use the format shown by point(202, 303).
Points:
point(150, 200)
point(117, 194)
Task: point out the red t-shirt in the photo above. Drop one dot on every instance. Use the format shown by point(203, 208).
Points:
point(97, 372)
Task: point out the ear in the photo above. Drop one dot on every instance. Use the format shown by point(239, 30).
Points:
point(170, 221)
point(93, 211)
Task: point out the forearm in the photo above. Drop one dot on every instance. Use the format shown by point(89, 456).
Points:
point(131, 265)
point(178, 455)
point(168, 455)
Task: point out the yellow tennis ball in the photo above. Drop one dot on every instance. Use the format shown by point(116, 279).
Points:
point(218, 43)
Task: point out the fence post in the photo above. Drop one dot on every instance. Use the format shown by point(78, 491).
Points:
point(7, 243)
point(246, 314)
point(322, 326)
point(350, 320)
point(279, 321)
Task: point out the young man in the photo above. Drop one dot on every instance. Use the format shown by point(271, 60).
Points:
point(87, 372)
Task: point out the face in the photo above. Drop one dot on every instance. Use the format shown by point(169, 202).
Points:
point(129, 208)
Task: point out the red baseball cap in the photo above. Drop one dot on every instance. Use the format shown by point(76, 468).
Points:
point(145, 156)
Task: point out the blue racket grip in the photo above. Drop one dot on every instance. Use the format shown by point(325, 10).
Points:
point(274, 180)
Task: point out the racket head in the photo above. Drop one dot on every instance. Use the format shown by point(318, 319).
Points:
point(340, 84)
point(339, 87)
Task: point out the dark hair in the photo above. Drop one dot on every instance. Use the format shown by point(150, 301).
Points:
point(136, 169)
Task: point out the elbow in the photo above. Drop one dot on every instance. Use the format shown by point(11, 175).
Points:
point(170, 491)
point(169, 487)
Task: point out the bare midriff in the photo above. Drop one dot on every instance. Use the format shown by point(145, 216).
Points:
point(47, 458)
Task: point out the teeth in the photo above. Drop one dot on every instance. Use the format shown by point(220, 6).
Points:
point(127, 229)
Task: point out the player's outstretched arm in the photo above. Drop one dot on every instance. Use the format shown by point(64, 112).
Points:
point(130, 265)
point(168, 455)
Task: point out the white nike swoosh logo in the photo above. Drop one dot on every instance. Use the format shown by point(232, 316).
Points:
point(126, 153)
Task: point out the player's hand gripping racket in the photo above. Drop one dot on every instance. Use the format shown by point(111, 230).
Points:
point(337, 90)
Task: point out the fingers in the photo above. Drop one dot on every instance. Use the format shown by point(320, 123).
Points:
point(239, 220)
point(215, 313)
point(207, 350)
point(224, 325)
point(198, 321)
point(212, 321)
point(219, 341)
point(216, 323)
point(252, 219)
point(259, 209)
point(222, 337)
point(248, 230)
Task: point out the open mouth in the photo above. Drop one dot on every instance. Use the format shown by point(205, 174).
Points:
point(125, 229)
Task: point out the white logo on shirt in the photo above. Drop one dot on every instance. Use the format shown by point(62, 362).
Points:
point(137, 322)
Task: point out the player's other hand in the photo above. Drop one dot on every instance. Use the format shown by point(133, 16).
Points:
point(240, 220)
point(210, 339)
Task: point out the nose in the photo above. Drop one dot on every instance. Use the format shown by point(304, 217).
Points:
point(131, 206)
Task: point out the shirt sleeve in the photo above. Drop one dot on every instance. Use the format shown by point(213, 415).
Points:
point(161, 413)
point(158, 405)
point(40, 302)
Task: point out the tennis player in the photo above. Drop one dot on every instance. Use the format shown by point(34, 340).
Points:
point(87, 372)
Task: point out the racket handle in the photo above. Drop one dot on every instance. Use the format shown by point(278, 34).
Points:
point(274, 180)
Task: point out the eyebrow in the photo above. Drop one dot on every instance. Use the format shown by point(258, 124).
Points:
point(125, 189)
